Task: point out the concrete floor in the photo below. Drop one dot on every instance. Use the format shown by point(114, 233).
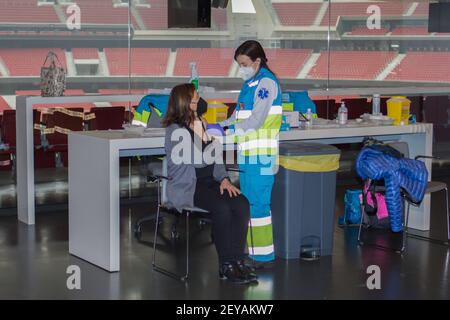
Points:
point(34, 260)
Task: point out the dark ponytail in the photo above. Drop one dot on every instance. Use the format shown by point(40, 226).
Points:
point(253, 50)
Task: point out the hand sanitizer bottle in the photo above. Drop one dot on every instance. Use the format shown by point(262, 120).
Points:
point(309, 117)
point(194, 75)
point(342, 114)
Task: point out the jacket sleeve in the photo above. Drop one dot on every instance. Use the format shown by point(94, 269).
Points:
point(265, 94)
point(231, 120)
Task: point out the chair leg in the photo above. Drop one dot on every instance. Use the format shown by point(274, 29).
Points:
point(185, 277)
point(448, 216)
point(361, 243)
point(156, 236)
point(405, 227)
point(360, 226)
point(163, 270)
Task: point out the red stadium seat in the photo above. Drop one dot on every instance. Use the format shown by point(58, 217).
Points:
point(146, 61)
point(210, 61)
point(297, 14)
point(28, 62)
point(27, 11)
point(351, 65)
point(434, 67)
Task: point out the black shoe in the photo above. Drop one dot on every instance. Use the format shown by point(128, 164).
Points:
point(258, 265)
point(229, 271)
point(247, 270)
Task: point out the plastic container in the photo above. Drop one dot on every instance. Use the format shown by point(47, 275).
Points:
point(399, 110)
point(376, 101)
point(194, 75)
point(217, 112)
point(303, 200)
point(309, 117)
point(342, 114)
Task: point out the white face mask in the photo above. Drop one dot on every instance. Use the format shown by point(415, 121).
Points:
point(246, 73)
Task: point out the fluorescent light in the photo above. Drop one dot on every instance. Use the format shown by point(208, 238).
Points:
point(242, 6)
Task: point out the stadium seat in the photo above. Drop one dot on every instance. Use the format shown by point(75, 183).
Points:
point(107, 118)
point(326, 109)
point(357, 107)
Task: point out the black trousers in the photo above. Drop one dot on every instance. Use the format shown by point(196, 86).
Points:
point(230, 218)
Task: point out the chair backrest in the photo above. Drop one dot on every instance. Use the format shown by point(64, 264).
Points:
point(64, 121)
point(9, 127)
point(400, 146)
point(108, 118)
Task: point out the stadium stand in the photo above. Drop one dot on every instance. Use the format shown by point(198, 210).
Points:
point(146, 61)
point(219, 18)
point(297, 14)
point(85, 53)
point(3, 105)
point(27, 62)
point(103, 12)
point(155, 17)
point(364, 31)
point(27, 11)
point(434, 66)
point(422, 9)
point(287, 63)
point(351, 65)
point(355, 9)
point(210, 61)
point(410, 31)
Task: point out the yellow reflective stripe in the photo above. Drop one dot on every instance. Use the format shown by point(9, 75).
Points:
point(258, 144)
point(319, 163)
point(245, 114)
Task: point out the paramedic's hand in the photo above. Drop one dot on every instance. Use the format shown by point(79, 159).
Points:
point(232, 190)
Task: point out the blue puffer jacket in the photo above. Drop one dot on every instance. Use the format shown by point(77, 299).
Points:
point(411, 175)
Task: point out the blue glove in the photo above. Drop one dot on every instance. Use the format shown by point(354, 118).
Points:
point(215, 129)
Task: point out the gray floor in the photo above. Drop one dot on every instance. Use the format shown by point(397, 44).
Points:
point(34, 260)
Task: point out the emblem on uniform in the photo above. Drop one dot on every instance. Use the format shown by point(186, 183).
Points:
point(263, 93)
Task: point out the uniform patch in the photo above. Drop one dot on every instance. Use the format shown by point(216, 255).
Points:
point(263, 93)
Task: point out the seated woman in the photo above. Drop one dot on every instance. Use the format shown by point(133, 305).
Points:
point(205, 184)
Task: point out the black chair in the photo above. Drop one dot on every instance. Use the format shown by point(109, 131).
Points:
point(159, 174)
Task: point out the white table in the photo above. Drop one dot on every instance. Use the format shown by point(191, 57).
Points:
point(94, 195)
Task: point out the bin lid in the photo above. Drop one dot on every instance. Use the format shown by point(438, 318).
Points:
point(306, 149)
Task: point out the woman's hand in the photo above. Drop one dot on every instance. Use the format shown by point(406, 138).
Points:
point(227, 185)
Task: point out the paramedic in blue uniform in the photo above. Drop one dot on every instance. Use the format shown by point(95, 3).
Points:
point(256, 123)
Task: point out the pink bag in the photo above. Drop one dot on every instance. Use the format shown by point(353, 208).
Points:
point(382, 211)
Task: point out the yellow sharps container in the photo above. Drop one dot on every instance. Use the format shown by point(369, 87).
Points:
point(217, 111)
point(398, 108)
